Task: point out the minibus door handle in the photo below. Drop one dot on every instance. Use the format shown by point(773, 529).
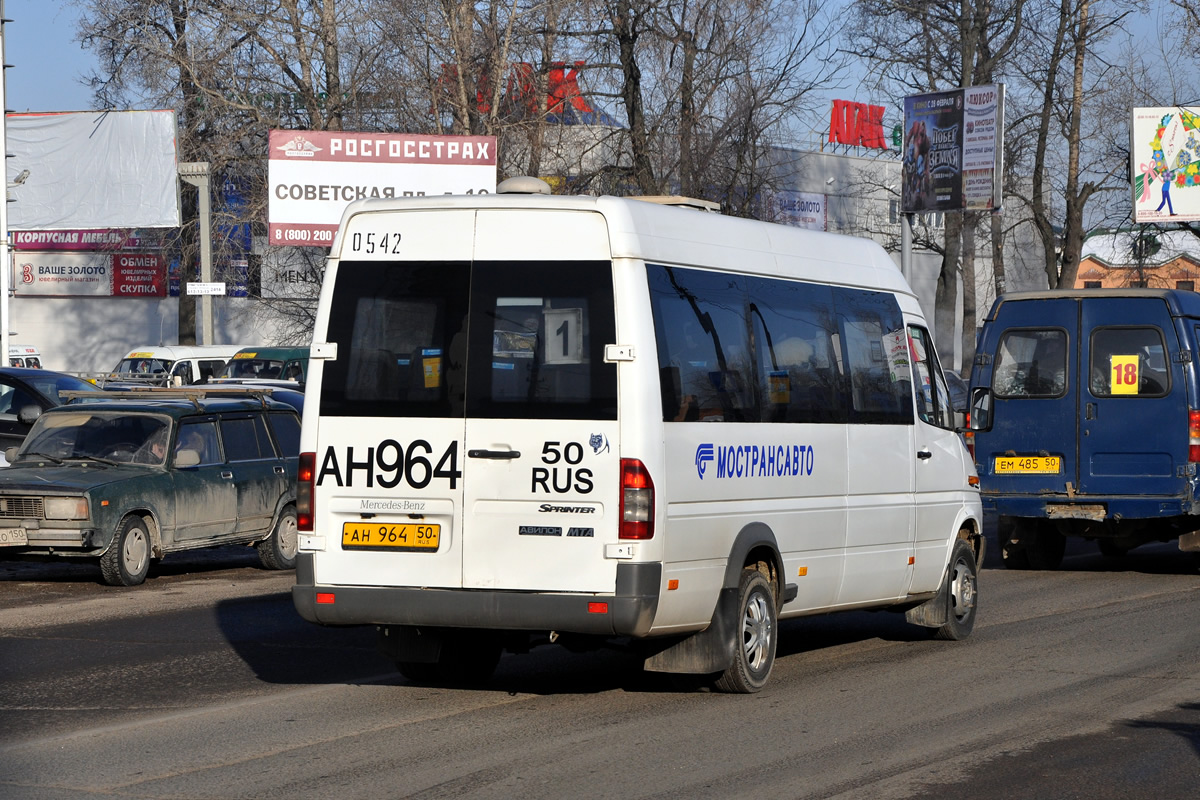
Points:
point(924, 454)
point(1089, 411)
point(493, 454)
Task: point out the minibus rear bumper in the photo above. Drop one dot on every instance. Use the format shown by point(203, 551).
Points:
point(629, 611)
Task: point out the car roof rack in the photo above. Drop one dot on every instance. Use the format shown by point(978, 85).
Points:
point(193, 393)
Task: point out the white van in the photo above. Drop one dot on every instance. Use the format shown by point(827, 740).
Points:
point(581, 418)
point(178, 365)
point(23, 355)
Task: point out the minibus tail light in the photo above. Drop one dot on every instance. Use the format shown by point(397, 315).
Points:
point(304, 491)
point(1194, 436)
point(637, 500)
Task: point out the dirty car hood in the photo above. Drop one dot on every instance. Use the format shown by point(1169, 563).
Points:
point(75, 477)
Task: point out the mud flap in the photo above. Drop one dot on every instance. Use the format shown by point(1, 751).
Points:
point(702, 653)
point(934, 613)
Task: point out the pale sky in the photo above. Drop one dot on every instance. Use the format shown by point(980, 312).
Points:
point(46, 60)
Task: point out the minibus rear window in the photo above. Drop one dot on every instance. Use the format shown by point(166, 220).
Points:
point(535, 347)
point(537, 337)
point(400, 330)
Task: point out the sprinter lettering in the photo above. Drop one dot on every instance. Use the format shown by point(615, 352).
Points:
point(389, 464)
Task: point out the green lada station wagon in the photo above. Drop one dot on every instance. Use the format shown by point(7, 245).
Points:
point(128, 479)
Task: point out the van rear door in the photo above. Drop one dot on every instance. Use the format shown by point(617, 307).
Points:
point(1033, 377)
point(1128, 375)
point(542, 465)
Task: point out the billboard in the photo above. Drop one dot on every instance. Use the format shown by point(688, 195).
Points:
point(102, 239)
point(798, 209)
point(953, 150)
point(61, 274)
point(1164, 150)
point(313, 175)
point(92, 169)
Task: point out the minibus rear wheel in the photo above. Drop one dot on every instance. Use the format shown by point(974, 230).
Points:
point(756, 630)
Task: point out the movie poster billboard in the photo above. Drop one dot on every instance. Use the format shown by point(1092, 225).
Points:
point(1165, 154)
point(952, 149)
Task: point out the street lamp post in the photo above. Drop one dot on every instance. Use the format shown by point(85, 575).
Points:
point(5, 259)
point(196, 173)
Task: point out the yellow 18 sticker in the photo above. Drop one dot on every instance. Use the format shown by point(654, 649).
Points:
point(1124, 374)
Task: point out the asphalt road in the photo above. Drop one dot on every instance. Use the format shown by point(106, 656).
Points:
point(204, 683)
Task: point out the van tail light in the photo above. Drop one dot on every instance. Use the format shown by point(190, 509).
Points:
point(637, 501)
point(304, 491)
point(1194, 436)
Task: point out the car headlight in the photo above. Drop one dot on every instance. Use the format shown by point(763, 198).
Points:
point(66, 508)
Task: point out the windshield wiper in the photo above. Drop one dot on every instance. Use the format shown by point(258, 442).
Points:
point(32, 455)
point(92, 458)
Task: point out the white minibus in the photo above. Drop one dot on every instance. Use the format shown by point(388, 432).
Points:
point(589, 420)
point(163, 365)
point(23, 355)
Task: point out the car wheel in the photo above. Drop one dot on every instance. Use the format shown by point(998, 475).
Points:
point(278, 551)
point(1014, 536)
point(961, 592)
point(1045, 548)
point(127, 560)
point(755, 635)
point(1110, 549)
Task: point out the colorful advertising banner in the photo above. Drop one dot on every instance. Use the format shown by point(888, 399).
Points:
point(313, 175)
point(138, 275)
point(96, 239)
point(89, 275)
point(1165, 154)
point(952, 150)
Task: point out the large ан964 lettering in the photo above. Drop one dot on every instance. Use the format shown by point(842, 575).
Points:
point(388, 464)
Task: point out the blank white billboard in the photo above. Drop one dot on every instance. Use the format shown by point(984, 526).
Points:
point(92, 169)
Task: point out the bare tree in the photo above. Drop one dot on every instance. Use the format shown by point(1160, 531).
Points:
point(1065, 37)
point(935, 45)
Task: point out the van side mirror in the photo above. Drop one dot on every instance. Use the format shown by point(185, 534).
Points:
point(981, 409)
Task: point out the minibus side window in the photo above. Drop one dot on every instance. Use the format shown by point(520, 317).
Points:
point(1128, 362)
point(704, 352)
point(933, 396)
point(799, 374)
point(1031, 363)
point(872, 338)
